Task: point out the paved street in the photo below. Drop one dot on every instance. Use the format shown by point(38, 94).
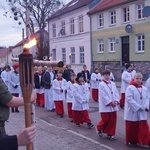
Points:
point(55, 133)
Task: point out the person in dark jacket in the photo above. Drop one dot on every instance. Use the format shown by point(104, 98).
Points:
point(67, 73)
point(23, 138)
point(48, 78)
point(86, 74)
point(38, 81)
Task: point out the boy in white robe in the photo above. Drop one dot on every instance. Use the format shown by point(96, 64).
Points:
point(135, 113)
point(70, 98)
point(108, 101)
point(80, 106)
point(59, 89)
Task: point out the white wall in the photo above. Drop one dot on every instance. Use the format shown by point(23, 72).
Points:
point(76, 40)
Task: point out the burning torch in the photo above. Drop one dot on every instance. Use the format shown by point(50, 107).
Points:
point(26, 83)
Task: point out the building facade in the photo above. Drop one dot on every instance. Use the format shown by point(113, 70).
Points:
point(69, 35)
point(120, 34)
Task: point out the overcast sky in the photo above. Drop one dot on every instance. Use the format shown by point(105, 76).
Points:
point(10, 31)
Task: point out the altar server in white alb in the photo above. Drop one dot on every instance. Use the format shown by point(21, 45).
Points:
point(59, 89)
point(48, 78)
point(5, 75)
point(125, 81)
point(108, 101)
point(80, 104)
point(70, 97)
point(133, 72)
point(135, 113)
point(14, 84)
point(95, 80)
point(147, 84)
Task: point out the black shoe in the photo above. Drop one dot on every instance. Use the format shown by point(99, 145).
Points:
point(122, 107)
point(71, 121)
point(12, 110)
point(77, 124)
point(100, 133)
point(110, 137)
point(17, 111)
point(61, 116)
point(132, 144)
point(90, 125)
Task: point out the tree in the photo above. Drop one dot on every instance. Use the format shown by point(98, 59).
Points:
point(40, 10)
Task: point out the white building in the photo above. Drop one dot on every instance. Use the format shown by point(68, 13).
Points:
point(69, 35)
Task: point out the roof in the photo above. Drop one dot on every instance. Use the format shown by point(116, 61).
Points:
point(4, 52)
point(32, 35)
point(106, 4)
point(71, 6)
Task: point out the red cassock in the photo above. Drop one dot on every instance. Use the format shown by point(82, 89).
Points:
point(81, 116)
point(108, 123)
point(70, 111)
point(40, 99)
point(95, 94)
point(59, 107)
point(138, 132)
point(122, 100)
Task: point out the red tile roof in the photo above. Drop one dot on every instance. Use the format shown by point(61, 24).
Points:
point(4, 52)
point(106, 4)
point(73, 5)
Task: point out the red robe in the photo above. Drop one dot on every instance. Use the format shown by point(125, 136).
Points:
point(95, 94)
point(108, 123)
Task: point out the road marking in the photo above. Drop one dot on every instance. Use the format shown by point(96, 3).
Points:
point(80, 135)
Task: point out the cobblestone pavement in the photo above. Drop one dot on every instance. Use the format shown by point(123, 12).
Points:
point(50, 137)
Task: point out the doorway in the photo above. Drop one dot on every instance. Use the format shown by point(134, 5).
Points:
point(125, 49)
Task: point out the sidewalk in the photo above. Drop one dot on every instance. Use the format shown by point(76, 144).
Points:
point(50, 137)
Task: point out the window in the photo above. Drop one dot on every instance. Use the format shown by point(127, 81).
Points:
point(126, 14)
point(140, 43)
point(100, 20)
point(111, 44)
point(100, 46)
point(63, 25)
point(82, 55)
point(139, 12)
point(72, 27)
point(64, 55)
point(54, 30)
point(112, 17)
point(81, 24)
point(73, 55)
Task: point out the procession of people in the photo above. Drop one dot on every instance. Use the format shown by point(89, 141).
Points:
point(53, 88)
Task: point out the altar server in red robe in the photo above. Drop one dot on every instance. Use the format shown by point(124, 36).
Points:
point(135, 113)
point(59, 89)
point(108, 101)
point(80, 106)
point(70, 97)
point(95, 80)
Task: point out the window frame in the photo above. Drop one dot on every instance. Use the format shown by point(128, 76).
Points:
point(82, 55)
point(72, 26)
point(112, 16)
point(141, 43)
point(64, 58)
point(81, 24)
point(63, 25)
point(100, 42)
point(127, 15)
point(73, 55)
point(137, 11)
point(113, 44)
point(102, 20)
point(54, 30)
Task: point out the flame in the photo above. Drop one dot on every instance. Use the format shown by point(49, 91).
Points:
point(30, 44)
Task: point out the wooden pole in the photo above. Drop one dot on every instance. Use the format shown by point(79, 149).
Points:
point(26, 83)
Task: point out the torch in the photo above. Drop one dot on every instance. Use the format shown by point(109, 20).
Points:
point(26, 82)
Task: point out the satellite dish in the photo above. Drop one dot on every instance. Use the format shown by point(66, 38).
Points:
point(146, 11)
point(45, 57)
point(62, 32)
point(128, 28)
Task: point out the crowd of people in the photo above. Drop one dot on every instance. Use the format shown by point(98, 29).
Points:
point(53, 88)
